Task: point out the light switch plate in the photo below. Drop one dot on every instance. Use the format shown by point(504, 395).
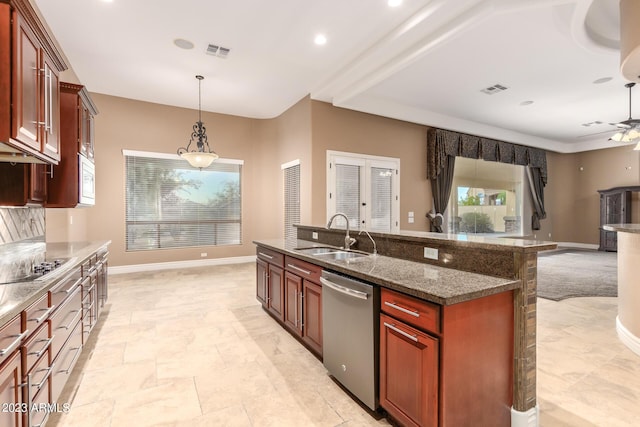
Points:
point(431, 253)
point(314, 235)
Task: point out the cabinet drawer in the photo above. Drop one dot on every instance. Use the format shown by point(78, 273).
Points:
point(64, 320)
point(272, 257)
point(37, 313)
point(303, 269)
point(65, 362)
point(35, 347)
point(421, 314)
point(39, 375)
point(38, 408)
point(11, 337)
point(62, 290)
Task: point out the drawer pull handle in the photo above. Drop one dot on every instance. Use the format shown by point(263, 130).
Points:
point(403, 333)
point(265, 255)
point(14, 344)
point(46, 377)
point(70, 288)
point(44, 315)
point(73, 361)
point(402, 309)
point(43, 349)
point(301, 270)
point(66, 328)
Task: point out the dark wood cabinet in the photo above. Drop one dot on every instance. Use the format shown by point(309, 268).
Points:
point(270, 281)
point(615, 208)
point(289, 289)
point(22, 184)
point(446, 365)
point(76, 137)
point(312, 315)
point(29, 85)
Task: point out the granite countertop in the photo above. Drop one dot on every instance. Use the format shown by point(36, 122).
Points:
point(432, 283)
point(624, 228)
point(15, 297)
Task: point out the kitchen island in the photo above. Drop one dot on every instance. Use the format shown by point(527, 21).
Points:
point(476, 357)
point(628, 320)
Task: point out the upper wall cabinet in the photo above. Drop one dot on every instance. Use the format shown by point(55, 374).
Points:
point(77, 111)
point(30, 63)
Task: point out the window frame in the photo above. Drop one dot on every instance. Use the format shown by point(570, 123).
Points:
point(175, 157)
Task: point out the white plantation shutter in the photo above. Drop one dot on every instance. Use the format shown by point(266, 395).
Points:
point(169, 204)
point(291, 198)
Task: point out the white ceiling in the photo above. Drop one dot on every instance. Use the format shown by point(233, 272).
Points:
point(424, 61)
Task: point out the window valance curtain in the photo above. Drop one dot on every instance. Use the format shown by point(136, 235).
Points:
point(443, 146)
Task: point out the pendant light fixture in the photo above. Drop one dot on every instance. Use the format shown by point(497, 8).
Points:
point(201, 155)
point(630, 128)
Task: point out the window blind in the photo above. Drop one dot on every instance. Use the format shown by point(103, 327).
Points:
point(347, 195)
point(169, 204)
point(381, 199)
point(291, 200)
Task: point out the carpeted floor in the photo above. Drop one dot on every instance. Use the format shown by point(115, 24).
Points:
point(570, 273)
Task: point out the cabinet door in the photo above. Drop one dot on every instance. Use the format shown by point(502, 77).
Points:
point(312, 315)
point(408, 373)
point(51, 109)
point(275, 286)
point(261, 281)
point(292, 298)
point(38, 183)
point(26, 89)
point(11, 392)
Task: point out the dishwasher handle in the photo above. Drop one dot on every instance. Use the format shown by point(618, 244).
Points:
point(344, 290)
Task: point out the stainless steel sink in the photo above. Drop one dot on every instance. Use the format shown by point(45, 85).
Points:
point(342, 255)
point(317, 250)
point(331, 253)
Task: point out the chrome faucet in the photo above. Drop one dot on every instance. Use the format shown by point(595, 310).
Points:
point(348, 240)
point(375, 250)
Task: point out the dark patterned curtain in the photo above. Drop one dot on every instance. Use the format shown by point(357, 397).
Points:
point(444, 146)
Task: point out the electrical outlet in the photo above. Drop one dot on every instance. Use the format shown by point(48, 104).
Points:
point(314, 235)
point(70, 219)
point(203, 254)
point(431, 253)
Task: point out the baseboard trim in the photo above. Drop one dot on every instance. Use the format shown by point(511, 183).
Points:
point(525, 419)
point(577, 245)
point(136, 268)
point(627, 337)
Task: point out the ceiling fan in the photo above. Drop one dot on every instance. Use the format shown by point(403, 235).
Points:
point(629, 130)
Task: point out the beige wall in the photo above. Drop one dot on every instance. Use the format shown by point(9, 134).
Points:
point(305, 132)
point(345, 130)
point(572, 197)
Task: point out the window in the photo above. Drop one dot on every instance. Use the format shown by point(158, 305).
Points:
point(366, 189)
point(291, 172)
point(488, 198)
point(169, 204)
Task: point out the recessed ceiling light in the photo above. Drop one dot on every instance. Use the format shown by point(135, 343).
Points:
point(602, 80)
point(183, 44)
point(394, 3)
point(320, 39)
point(525, 103)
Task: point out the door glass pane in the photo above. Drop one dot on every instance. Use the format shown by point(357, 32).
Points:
point(381, 199)
point(347, 195)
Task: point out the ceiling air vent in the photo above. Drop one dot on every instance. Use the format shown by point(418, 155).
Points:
point(493, 89)
point(219, 51)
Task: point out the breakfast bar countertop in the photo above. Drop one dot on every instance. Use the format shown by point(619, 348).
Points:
point(432, 283)
point(15, 297)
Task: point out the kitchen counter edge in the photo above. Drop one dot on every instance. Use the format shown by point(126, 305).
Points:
point(15, 297)
point(456, 286)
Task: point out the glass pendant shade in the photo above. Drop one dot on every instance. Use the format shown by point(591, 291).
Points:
point(201, 155)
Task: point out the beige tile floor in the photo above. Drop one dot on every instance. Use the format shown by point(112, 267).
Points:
point(194, 348)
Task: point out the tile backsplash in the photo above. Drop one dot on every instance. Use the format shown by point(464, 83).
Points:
point(17, 224)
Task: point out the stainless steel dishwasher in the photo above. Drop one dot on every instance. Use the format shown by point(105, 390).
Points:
point(350, 310)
